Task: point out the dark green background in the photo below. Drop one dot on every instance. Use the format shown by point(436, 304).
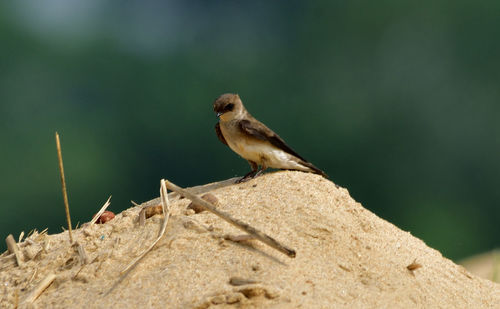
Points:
point(398, 102)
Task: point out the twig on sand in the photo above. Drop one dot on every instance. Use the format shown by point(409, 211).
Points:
point(40, 288)
point(21, 236)
point(13, 248)
point(99, 213)
point(166, 210)
point(236, 222)
point(194, 190)
point(63, 185)
point(142, 217)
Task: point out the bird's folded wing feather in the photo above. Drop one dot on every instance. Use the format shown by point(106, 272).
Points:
point(258, 130)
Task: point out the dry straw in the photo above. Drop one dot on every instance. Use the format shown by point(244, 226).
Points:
point(101, 211)
point(268, 240)
point(63, 184)
point(166, 210)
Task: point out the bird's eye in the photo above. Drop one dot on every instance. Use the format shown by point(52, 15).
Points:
point(229, 107)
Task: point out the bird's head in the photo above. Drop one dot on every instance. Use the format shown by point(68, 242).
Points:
point(228, 106)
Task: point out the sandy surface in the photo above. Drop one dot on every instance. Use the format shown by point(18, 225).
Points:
point(347, 257)
point(485, 265)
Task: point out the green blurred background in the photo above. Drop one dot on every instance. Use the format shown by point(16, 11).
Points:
point(398, 102)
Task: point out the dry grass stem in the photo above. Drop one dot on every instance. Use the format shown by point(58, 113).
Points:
point(33, 231)
point(238, 238)
point(40, 288)
point(13, 248)
point(209, 187)
point(236, 222)
point(81, 252)
point(237, 281)
point(103, 209)
point(63, 185)
point(142, 217)
point(195, 190)
point(166, 210)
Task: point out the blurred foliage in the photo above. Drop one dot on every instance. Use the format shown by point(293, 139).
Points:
point(397, 101)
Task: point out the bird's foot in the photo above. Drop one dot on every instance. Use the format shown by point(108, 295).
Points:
point(247, 177)
point(259, 173)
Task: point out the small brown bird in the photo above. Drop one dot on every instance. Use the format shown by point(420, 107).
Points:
point(253, 141)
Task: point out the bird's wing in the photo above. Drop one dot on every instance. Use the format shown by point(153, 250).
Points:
point(258, 130)
point(219, 134)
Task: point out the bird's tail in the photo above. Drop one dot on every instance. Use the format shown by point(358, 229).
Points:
point(314, 169)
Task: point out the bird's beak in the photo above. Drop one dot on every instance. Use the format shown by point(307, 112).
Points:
point(218, 114)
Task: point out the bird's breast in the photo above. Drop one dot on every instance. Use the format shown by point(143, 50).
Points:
point(247, 147)
point(259, 151)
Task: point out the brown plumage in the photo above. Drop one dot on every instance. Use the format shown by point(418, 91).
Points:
point(254, 141)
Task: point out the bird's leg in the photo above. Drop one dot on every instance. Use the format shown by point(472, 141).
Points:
point(262, 169)
point(251, 174)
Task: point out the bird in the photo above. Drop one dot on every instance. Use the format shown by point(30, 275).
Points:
point(254, 141)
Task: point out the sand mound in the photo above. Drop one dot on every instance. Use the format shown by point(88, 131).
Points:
point(346, 257)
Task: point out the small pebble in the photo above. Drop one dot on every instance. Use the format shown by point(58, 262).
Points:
point(105, 217)
point(153, 210)
point(219, 299)
point(209, 197)
point(234, 298)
